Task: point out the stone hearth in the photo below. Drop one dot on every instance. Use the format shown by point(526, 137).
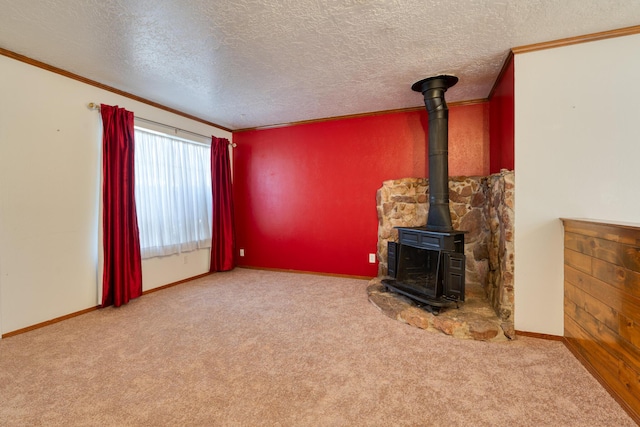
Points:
point(474, 319)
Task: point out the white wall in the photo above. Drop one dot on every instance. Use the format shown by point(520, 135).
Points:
point(49, 195)
point(577, 155)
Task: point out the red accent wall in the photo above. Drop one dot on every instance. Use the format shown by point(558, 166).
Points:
point(502, 121)
point(305, 195)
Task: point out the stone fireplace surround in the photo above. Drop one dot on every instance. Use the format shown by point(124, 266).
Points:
point(481, 206)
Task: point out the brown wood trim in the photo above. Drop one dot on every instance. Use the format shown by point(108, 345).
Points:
point(88, 310)
point(623, 233)
point(51, 68)
point(282, 270)
point(352, 116)
point(49, 322)
point(179, 282)
point(44, 66)
point(578, 222)
point(627, 31)
point(576, 353)
point(540, 336)
point(503, 70)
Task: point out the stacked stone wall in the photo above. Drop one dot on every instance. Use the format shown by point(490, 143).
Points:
point(500, 283)
point(481, 206)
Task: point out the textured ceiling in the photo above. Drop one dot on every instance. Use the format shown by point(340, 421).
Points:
point(249, 63)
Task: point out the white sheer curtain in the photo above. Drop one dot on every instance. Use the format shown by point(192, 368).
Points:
point(173, 194)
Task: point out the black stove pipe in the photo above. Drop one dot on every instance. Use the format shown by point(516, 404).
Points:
point(433, 89)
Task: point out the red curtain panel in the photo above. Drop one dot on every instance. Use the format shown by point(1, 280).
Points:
point(122, 278)
point(223, 238)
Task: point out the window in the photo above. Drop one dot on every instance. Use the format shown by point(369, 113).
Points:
point(173, 193)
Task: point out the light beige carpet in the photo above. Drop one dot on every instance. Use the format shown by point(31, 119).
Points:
point(258, 348)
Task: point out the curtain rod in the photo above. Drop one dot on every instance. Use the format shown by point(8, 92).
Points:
point(94, 106)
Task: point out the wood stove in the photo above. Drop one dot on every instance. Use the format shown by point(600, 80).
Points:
point(428, 264)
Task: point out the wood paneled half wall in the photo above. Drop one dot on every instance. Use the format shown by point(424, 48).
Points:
point(602, 304)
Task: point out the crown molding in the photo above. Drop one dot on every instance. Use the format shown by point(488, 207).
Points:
point(352, 116)
point(627, 31)
point(65, 73)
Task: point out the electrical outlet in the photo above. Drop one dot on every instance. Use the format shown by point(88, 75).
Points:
point(241, 252)
point(372, 258)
